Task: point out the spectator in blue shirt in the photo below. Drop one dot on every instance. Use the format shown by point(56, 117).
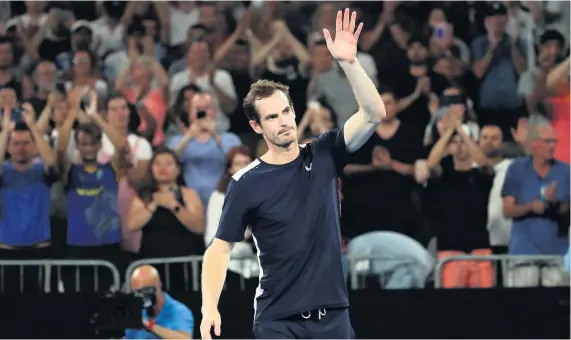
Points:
point(25, 184)
point(202, 149)
point(498, 61)
point(536, 196)
point(169, 319)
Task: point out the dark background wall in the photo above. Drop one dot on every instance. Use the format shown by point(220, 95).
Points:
point(497, 313)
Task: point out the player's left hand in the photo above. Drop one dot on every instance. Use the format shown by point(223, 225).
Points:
point(344, 47)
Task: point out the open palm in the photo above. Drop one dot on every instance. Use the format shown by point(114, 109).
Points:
point(344, 47)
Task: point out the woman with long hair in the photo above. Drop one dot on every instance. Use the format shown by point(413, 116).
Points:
point(145, 82)
point(85, 74)
point(169, 215)
point(237, 158)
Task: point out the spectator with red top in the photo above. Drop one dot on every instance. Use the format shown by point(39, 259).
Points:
point(145, 83)
point(558, 87)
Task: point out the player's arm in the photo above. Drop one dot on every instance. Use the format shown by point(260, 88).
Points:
point(231, 229)
point(362, 124)
point(359, 127)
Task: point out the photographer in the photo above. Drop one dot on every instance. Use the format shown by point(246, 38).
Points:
point(163, 317)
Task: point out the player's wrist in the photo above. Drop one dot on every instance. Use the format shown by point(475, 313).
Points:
point(348, 65)
point(207, 309)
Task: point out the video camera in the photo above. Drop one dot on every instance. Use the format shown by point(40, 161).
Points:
point(119, 311)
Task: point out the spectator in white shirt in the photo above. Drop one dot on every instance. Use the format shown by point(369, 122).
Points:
point(499, 227)
point(217, 82)
point(183, 14)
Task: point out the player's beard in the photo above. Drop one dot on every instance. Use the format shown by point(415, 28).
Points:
point(284, 140)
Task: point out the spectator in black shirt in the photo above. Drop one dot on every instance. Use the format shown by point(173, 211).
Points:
point(415, 88)
point(378, 184)
point(457, 202)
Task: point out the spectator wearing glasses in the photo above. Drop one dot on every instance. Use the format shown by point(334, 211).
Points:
point(536, 197)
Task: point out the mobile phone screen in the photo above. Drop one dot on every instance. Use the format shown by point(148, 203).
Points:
point(16, 115)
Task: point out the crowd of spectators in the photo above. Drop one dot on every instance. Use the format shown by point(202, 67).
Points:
point(122, 124)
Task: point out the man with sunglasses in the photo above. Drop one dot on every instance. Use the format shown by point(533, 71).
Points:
point(536, 196)
point(163, 316)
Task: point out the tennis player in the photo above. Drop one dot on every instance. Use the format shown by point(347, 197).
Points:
point(288, 198)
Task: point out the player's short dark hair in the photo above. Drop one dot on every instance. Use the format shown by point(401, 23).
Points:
point(259, 90)
point(89, 129)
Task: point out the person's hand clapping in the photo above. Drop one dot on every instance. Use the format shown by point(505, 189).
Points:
point(91, 110)
point(7, 122)
point(208, 125)
point(537, 207)
point(422, 85)
point(381, 158)
point(28, 114)
point(193, 130)
point(165, 199)
point(344, 47)
point(521, 131)
point(550, 193)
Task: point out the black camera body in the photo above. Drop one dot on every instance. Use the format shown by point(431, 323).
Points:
point(119, 311)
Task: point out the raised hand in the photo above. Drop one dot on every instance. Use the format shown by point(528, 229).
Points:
point(91, 110)
point(344, 47)
point(28, 114)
